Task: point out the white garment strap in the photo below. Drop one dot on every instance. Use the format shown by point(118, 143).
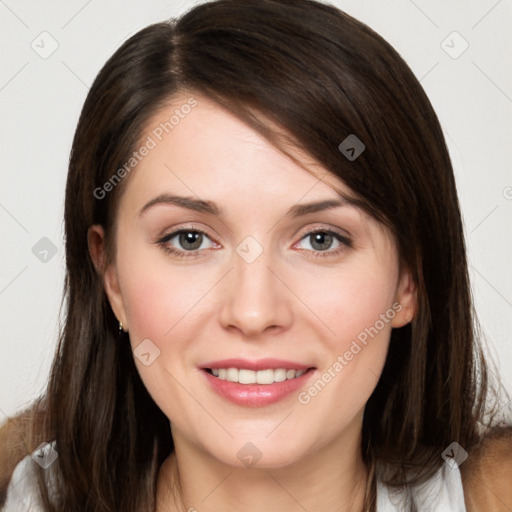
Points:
point(23, 490)
point(22, 493)
point(441, 493)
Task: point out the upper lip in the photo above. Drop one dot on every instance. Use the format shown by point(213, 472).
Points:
point(259, 364)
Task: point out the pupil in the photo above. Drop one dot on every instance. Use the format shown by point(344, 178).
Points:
point(190, 240)
point(321, 241)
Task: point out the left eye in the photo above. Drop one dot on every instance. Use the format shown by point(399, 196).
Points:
point(322, 241)
point(188, 240)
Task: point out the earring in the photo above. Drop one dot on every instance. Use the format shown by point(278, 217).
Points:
point(120, 327)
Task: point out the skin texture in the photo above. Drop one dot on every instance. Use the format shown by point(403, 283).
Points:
point(486, 474)
point(288, 303)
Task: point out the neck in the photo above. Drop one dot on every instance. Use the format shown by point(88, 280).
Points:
point(334, 477)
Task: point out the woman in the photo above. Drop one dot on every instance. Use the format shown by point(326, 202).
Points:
point(268, 304)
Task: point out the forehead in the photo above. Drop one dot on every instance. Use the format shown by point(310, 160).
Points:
point(203, 148)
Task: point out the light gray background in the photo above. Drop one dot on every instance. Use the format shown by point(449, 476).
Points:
point(40, 100)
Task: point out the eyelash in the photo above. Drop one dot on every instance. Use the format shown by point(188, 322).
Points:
point(344, 241)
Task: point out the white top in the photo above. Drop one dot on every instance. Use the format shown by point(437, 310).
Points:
point(23, 490)
point(442, 493)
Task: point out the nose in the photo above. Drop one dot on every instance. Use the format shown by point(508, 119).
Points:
point(256, 300)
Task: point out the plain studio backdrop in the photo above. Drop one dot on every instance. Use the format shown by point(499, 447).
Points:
point(51, 52)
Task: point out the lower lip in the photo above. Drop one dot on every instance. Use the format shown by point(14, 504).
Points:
point(256, 395)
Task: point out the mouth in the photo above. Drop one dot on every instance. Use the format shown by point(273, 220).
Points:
point(256, 383)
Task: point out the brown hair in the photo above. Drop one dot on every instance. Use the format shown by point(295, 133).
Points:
point(321, 75)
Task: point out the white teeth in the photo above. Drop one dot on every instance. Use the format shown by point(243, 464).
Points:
point(265, 376)
point(244, 376)
point(232, 375)
point(279, 375)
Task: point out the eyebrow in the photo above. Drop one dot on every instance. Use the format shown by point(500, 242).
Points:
point(203, 206)
point(190, 203)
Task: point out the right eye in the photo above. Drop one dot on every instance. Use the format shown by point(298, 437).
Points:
point(186, 242)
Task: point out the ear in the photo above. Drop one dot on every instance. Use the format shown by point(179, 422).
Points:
point(96, 241)
point(406, 299)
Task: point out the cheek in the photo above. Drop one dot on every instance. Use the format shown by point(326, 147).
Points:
point(159, 301)
point(149, 304)
point(357, 307)
point(159, 297)
point(353, 302)
point(149, 292)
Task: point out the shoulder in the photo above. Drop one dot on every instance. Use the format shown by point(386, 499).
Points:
point(487, 473)
point(20, 435)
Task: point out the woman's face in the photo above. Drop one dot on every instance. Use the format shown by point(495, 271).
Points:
point(247, 281)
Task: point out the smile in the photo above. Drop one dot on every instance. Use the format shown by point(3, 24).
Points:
point(244, 376)
point(256, 383)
